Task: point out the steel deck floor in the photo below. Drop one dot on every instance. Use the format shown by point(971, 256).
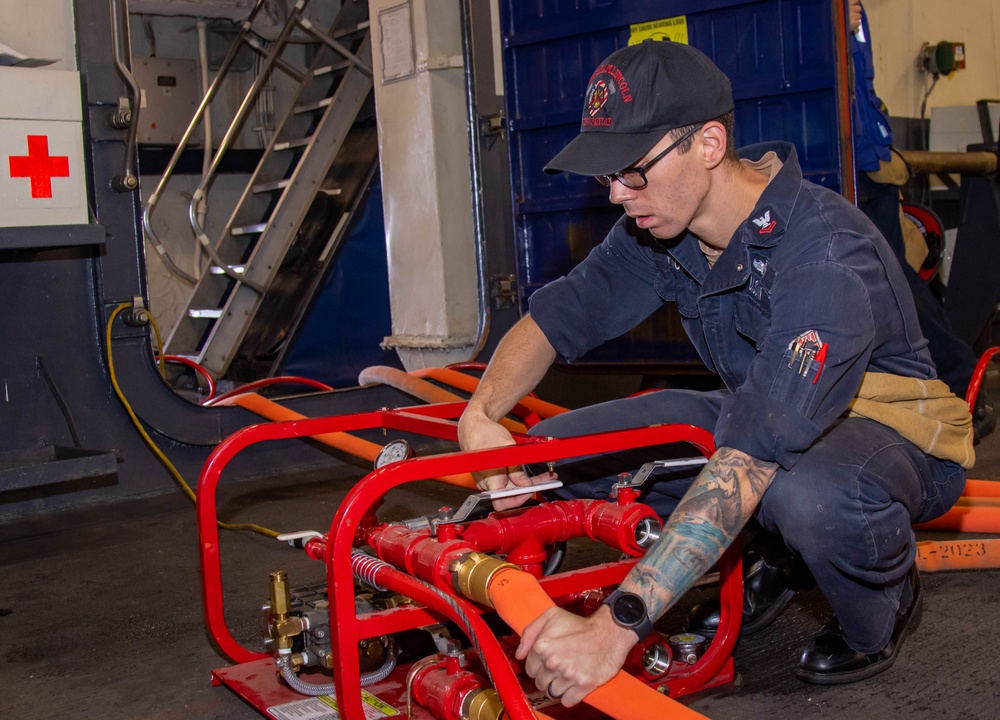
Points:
point(100, 616)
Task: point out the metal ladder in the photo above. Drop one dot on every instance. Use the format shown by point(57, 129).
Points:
point(293, 173)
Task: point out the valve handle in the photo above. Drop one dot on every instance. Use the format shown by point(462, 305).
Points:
point(646, 470)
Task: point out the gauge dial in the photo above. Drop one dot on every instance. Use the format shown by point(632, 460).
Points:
point(393, 451)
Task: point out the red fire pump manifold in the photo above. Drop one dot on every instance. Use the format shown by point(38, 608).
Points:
point(349, 646)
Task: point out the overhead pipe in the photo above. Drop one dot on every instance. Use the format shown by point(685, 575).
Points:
point(926, 162)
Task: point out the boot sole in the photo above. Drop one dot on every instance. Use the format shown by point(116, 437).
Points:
point(871, 670)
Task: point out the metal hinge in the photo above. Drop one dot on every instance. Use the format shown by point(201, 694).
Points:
point(504, 291)
point(493, 124)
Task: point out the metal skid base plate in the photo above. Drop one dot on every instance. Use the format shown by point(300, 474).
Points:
point(260, 684)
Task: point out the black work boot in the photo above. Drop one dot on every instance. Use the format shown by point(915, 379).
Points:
point(767, 589)
point(829, 660)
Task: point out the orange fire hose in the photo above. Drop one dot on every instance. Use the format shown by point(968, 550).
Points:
point(936, 556)
point(341, 441)
point(981, 488)
point(519, 599)
point(418, 388)
point(973, 518)
point(467, 383)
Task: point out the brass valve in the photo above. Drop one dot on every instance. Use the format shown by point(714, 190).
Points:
point(281, 601)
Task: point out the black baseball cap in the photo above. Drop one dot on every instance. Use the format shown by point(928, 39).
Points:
point(634, 97)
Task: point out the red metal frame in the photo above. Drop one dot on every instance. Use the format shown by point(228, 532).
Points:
point(978, 375)
point(352, 525)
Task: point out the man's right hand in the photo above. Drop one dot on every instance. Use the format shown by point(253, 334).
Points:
point(477, 432)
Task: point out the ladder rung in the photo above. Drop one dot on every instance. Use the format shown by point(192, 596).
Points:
point(299, 109)
point(248, 229)
point(327, 69)
point(210, 313)
point(289, 144)
point(238, 269)
point(272, 186)
point(351, 30)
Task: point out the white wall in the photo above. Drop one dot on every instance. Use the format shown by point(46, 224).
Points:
point(900, 27)
point(54, 39)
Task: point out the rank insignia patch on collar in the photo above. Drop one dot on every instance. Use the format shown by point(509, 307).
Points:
point(764, 223)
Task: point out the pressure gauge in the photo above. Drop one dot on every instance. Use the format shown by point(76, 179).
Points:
point(393, 451)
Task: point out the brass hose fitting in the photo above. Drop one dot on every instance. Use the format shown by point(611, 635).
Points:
point(281, 602)
point(482, 705)
point(471, 575)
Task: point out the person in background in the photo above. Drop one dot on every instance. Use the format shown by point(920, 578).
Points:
point(880, 174)
point(832, 432)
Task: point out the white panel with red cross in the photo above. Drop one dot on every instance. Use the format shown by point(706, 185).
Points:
point(42, 179)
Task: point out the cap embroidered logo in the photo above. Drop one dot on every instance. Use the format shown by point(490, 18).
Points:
point(598, 97)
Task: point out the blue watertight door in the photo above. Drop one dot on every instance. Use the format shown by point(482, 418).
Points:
point(780, 56)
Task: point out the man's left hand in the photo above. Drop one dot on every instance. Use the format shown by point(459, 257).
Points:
point(570, 656)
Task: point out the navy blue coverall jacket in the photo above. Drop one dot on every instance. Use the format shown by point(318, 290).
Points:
point(805, 260)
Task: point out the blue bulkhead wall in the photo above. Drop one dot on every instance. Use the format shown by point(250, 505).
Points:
point(342, 332)
point(779, 55)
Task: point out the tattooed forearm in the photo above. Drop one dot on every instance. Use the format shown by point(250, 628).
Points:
point(706, 521)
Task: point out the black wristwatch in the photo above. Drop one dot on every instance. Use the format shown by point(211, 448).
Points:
point(629, 611)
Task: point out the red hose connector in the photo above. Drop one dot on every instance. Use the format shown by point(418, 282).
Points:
point(629, 527)
point(521, 535)
point(418, 552)
point(444, 687)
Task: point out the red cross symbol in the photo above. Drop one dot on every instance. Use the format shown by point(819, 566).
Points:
point(39, 166)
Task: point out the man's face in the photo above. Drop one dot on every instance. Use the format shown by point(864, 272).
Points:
point(672, 197)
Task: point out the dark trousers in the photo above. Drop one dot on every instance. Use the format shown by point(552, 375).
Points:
point(846, 506)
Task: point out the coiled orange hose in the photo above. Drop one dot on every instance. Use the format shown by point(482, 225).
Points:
point(519, 599)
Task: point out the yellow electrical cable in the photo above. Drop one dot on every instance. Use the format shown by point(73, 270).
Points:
point(152, 445)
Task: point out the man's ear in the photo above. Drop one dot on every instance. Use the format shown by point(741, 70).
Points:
point(713, 143)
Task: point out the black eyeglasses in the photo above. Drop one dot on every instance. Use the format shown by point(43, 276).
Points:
point(635, 177)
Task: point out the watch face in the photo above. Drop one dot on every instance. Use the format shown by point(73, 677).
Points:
point(629, 609)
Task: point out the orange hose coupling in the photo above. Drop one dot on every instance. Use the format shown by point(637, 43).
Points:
point(471, 575)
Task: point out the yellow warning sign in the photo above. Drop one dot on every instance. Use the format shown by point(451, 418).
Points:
point(377, 704)
point(675, 28)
